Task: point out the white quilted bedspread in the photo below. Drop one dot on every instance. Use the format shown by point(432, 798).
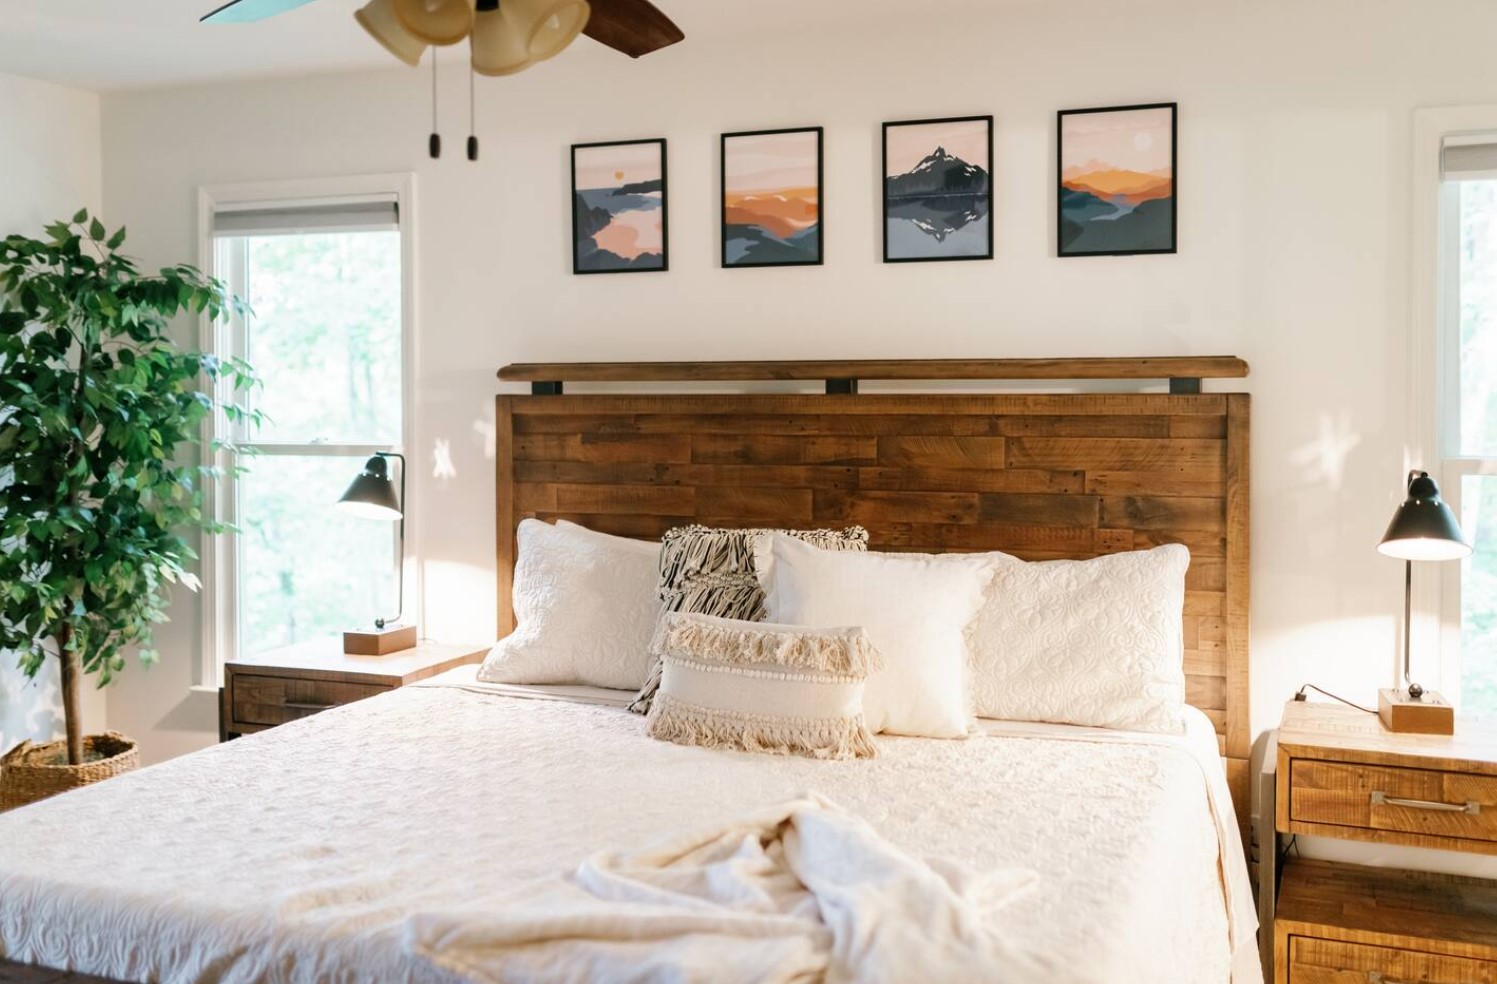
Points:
point(298, 854)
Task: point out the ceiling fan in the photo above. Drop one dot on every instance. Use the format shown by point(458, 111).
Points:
point(507, 36)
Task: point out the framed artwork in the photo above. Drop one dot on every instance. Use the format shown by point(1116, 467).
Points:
point(620, 222)
point(1117, 181)
point(938, 189)
point(771, 188)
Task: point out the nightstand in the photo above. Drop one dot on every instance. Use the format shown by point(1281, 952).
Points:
point(1339, 774)
point(298, 681)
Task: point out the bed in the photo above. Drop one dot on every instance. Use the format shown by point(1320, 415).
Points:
point(309, 852)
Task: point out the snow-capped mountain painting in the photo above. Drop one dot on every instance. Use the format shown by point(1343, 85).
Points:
point(938, 190)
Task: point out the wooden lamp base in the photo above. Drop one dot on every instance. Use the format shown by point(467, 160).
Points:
point(1429, 715)
point(380, 642)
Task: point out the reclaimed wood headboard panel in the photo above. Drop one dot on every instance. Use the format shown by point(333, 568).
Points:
point(1039, 476)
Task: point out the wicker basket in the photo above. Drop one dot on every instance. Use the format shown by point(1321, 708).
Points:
point(26, 778)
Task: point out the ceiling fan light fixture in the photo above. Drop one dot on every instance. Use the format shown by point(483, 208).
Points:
point(497, 48)
point(439, 22)
point(545, 27)
point(378, 18)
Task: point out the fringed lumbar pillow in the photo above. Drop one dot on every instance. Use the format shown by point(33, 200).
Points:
point(712, 572)
point(760, 687)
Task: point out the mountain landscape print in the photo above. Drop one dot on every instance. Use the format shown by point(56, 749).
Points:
point(619, 222)
point(938, 189)
point(1117, 181)
point(771, 186)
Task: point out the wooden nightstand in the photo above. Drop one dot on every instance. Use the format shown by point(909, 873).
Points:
point(298, 681)
point(1340, 774)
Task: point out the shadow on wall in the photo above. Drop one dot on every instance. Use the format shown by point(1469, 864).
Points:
point(28, 708)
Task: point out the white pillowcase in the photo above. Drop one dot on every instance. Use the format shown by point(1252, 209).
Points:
point(1093, 642)
point(915, 609)
point(585, 609)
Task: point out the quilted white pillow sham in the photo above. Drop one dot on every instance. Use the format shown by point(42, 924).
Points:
point(585, 609)
point(915, 609)
point(1092, 642)
point(762, 687)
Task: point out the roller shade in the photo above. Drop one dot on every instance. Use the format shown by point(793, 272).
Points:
point(364, 215)
point(1470, 158)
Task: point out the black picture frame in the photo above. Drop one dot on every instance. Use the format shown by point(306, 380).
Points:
point(722, 189)
point(884, 187)
point(665, 225)
point(1060, 120)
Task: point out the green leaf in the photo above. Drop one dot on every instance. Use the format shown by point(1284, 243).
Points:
point(80, 216)
point(118, 239)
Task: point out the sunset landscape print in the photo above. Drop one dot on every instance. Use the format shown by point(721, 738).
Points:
point(1117, 181)
point(771, 186)
point(619, 207)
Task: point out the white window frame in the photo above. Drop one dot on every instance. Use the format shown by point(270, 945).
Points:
point(1434, 357)
point(219, 554)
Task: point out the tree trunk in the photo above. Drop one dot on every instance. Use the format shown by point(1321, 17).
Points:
point(72, 669)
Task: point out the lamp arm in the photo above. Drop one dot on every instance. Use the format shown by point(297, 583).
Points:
point(380, 623)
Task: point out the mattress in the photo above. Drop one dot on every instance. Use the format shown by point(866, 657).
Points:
point(300, 853)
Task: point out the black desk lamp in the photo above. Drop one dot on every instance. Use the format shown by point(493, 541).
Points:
point(371, 495)
point(1423, 528)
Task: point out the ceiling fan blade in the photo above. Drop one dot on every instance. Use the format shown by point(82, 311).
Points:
point(244, 11)
point(635, 27)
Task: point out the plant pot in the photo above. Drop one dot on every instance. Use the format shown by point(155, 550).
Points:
point(29, 773)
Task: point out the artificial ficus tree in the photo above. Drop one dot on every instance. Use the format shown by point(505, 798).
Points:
point(96, 404)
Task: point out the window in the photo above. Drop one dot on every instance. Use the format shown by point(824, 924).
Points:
point(327, 334)
point(1467, 411)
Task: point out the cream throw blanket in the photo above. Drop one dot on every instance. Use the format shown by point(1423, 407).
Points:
point(800, 891)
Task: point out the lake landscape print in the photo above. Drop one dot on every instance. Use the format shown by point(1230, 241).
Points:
point(771, 185)
point(1117, 181)
point(938, 190)
point(619, 222)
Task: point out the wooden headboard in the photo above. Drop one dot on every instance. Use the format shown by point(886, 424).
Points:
point(1040, 476)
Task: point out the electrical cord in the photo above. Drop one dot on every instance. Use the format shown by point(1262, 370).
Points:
point(1300, 696)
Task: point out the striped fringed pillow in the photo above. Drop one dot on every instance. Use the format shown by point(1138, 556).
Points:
point(761, 687)
point(711, 572)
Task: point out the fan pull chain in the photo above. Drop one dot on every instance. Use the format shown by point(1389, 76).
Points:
point(472, 114)
point(434, 144)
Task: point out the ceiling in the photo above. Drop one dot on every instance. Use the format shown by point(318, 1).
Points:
point(126, 44)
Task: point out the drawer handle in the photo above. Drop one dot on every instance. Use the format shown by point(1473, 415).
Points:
point(1380, 798)
point(1377, 977)
point(302, 705)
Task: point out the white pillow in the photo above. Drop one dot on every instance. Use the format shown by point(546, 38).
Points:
point(762, 687)
point(914, 608)
point(585, 609)
point(1093, 642)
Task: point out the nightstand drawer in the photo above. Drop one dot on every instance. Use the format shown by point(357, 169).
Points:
point(1313, 961)
point(271, 700)
point(1414, 801)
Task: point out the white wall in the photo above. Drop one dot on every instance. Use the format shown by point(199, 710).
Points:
point(1295, 124)
point(49, 168)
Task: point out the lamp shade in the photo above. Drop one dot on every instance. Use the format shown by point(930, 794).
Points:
point(498, 49)
point(378, 18)
point(1424, 527)
point(436, 21)
point(545, 26)
point(371, 495)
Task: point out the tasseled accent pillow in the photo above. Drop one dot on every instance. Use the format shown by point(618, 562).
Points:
point(712, 572)
point(761, 687)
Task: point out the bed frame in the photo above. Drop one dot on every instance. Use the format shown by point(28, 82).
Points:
point(1039, 475)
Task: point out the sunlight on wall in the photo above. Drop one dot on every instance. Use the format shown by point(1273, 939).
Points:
point(459, 603)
